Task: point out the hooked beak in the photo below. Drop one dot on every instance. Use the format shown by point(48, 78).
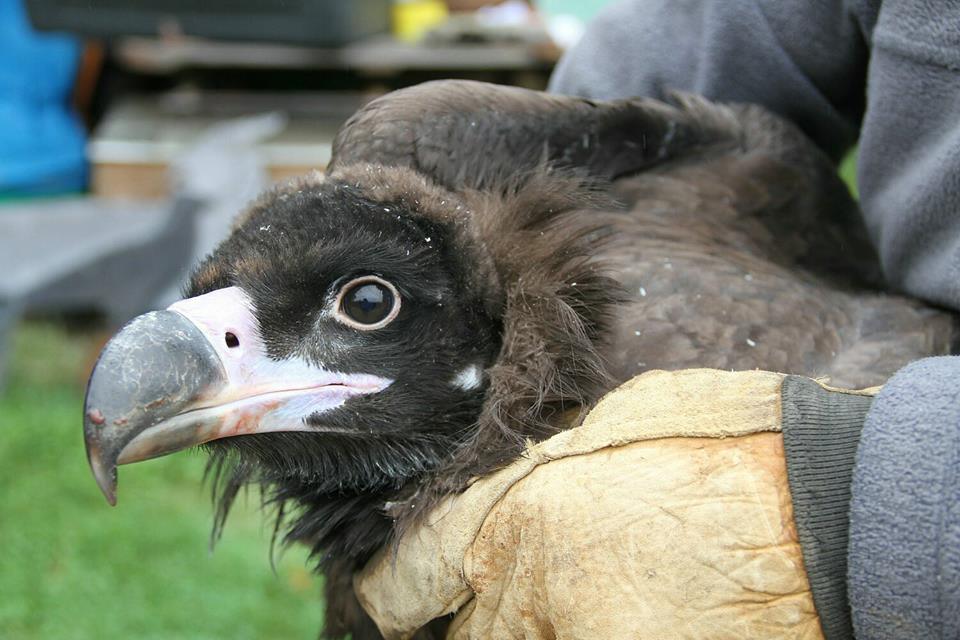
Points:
point(197, 372)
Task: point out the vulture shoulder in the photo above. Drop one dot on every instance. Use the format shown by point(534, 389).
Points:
point(737, 244)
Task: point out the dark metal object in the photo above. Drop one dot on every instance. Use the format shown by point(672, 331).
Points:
point(316, 22)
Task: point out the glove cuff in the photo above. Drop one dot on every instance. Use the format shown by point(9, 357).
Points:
point(821, 431)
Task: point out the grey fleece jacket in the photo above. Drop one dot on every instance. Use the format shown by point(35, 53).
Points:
point(809, 60)
point(887, 72)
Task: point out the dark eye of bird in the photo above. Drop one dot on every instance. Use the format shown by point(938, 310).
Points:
point(368, 303)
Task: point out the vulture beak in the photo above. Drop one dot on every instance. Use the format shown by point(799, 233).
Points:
point(196, 372)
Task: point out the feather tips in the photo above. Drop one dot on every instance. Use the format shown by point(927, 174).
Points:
point(541, 233)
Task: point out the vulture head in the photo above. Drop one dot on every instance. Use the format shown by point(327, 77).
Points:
point(478, 266)
point(349, 337)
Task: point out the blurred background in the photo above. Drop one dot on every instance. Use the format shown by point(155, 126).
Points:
point(131, 131)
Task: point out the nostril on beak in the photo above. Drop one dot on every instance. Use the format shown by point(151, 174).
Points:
point(232, 340)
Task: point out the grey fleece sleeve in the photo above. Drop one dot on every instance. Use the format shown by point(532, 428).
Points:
point(804, 60)
point(904, 553)
point(818, 64)
point(909, 164)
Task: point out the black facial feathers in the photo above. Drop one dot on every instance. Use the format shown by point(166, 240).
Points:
point(501, 286)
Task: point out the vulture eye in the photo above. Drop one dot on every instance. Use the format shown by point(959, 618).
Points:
point(367, 303)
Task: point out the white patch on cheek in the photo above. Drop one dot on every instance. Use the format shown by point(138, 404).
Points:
point(469, 378)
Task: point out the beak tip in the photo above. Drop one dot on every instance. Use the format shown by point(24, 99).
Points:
point(104, 473)
point(108, 486)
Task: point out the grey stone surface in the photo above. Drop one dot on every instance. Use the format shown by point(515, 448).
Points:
point(113, 257)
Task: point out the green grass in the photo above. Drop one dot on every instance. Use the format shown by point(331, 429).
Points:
point(73, 567)
point(848, 171)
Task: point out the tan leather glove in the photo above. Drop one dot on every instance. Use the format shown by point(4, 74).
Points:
point(668, 514)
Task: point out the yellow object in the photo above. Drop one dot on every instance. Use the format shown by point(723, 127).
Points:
point(412, 19)
point(667, 514)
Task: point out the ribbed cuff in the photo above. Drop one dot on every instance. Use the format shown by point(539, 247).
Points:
point(821, 431)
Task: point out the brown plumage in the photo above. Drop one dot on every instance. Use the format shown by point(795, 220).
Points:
point(565, 246)
point(735, 242)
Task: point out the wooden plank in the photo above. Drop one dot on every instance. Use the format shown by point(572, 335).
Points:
point(149, 180)
point(376, 54)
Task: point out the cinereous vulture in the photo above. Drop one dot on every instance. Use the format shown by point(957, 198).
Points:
point(479, 265)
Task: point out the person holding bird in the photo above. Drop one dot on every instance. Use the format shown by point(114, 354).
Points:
point(885, 75)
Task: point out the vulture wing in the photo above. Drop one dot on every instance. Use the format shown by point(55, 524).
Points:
point(741, 247)
point(475, 135)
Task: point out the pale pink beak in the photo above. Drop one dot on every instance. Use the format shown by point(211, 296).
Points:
point(197, 372)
